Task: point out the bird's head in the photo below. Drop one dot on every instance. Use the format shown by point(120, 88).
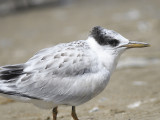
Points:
point(113, 41)
point(109, 45)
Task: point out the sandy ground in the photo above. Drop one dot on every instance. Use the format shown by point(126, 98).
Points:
point(133, 91)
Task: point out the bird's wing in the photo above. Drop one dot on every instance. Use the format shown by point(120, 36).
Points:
point(52, 73)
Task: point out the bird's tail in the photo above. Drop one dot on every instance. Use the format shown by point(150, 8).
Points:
point(8, 77)
point(10, 72)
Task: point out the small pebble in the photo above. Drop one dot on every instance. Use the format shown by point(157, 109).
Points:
point(95, 109)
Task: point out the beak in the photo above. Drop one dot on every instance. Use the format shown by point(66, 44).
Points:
point(135, 44)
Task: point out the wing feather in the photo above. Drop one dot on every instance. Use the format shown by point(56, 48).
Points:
point(60, 74)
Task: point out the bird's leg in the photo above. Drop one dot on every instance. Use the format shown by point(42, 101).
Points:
point(74, 115)
point(54, 113)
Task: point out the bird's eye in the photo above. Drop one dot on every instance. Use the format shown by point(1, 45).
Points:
point(113, 42)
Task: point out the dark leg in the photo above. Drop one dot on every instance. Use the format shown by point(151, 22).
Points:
point(54, 113)
point(74, 113)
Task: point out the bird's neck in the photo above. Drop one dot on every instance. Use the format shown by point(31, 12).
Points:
point(106, 58)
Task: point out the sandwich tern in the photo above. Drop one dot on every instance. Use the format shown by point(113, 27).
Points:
point(68, 73)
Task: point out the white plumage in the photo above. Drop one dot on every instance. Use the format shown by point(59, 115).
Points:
point(65, 74)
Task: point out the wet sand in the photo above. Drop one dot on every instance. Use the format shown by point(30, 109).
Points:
point(133, 90)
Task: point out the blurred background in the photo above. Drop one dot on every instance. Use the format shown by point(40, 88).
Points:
point(133, 92)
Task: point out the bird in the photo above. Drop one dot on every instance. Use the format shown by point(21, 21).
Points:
point(68, 73)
